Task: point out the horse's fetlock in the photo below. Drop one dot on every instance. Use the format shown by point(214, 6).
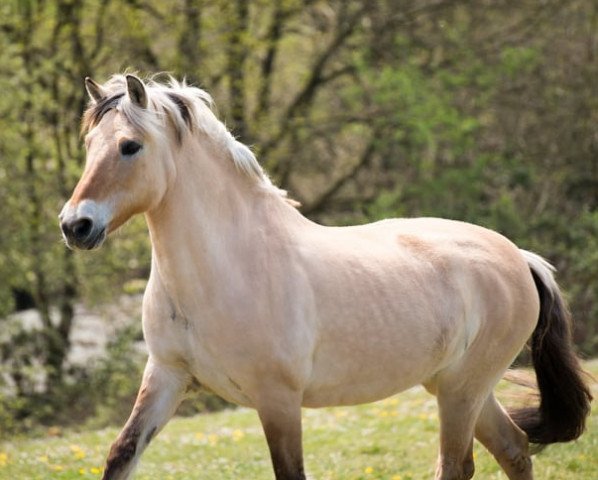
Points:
point(468, 469)
point(522, 463)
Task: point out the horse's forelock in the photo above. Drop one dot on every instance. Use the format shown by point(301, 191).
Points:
point(183, 105)
point(94, 114)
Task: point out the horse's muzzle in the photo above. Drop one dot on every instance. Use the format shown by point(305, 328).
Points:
point(82, 233)
point(83, 226)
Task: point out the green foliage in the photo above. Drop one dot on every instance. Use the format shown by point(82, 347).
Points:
point(26, 402)
point(519, 61)
point(363, 110)
point(98, 395)
point(21, 374)
point(113, 383)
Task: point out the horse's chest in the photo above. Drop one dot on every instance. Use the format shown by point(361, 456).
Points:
point(166, 336)
point(176, 339)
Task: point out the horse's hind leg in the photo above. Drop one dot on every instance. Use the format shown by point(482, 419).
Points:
point(161, 391)
point(507, 442)
point(458, 411)
point(280, 414)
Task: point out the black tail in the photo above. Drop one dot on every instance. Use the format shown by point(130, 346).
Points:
point(564, 395)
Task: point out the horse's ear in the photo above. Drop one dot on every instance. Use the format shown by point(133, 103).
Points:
point(136, 91)
point(95, 90)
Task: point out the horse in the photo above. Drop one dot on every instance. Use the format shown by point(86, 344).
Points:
point(275, 312)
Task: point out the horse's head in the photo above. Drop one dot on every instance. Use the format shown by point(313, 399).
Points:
point(133, 131)
point(128, 167)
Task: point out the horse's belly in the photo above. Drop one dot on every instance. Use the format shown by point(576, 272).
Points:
point(368, 352)
point(367, 374)
point(352, 393)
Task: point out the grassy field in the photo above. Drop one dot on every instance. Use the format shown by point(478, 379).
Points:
point(395, 439)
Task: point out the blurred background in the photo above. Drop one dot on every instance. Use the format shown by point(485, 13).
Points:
point(484, 111)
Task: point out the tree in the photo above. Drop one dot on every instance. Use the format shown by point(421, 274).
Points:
point(363, 110)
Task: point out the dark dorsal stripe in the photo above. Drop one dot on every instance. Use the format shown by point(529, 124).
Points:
point(182, 106)
point(100, 109)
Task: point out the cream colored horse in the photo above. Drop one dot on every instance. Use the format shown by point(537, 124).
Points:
point(275, 312)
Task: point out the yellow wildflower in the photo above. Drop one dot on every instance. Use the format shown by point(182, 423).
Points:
point(77, 452)
point(368, 470)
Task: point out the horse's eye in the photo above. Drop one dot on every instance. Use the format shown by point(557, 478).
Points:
point(129, 148)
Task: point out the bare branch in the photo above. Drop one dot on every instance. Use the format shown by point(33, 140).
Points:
point(237, 54)
point(316, 79)
point(319, 204)
point(99, 30)
point(189, 40)
point(146, 7)
point(272, 38)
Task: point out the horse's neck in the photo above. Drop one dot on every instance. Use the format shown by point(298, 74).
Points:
point(212, 226)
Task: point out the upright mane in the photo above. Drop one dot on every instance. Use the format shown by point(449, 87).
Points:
point(186, 108)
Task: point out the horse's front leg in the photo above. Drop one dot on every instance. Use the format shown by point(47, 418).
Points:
point(161, 391)
point(280, 413)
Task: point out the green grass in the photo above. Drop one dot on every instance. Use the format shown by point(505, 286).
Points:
point(393, 439)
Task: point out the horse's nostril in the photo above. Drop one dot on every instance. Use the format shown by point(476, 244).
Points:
point(81, 228)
